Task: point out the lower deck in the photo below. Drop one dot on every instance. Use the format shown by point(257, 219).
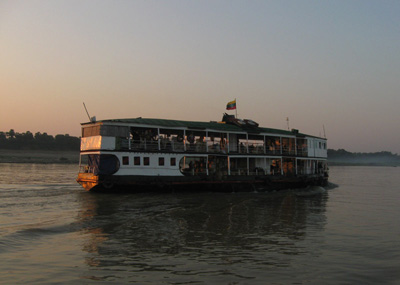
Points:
point(155, 171)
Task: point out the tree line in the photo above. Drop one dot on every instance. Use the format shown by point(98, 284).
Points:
point(381, 157)
point(38, 141)
point(43, 141)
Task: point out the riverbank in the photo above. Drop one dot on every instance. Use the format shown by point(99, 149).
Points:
point(39, 156)
point(355, 163)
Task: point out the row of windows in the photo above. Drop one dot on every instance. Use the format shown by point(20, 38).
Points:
point(146, 161)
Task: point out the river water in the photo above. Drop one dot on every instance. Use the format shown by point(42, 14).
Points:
point(52, 231)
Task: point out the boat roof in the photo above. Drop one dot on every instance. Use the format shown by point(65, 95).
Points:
point(197, 125)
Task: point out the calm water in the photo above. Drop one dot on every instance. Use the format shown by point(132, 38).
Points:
point(52, 231)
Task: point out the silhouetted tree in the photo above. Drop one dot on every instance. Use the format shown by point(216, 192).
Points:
point(13, 140)
point(11, 134)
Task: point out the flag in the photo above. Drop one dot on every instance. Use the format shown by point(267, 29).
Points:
point(231, 105)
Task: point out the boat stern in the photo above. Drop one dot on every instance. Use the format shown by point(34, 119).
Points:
point(88, 180)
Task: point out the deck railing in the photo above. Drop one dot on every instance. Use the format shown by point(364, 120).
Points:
point(207, 147)
point(302, 151)
point(288, 151)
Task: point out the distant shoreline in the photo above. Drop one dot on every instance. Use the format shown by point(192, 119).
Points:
point(341, 163)
point(39, 156)
point(72, 157)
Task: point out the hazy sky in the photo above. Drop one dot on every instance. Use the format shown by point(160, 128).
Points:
point(320, 63)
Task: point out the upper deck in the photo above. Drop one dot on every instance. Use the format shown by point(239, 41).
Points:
point(160, 135)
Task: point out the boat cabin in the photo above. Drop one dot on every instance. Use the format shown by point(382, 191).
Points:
point(157, 147)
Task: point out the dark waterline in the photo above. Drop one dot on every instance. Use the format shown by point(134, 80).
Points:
point(52, 231)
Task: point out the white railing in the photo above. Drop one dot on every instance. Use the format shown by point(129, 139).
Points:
point(144, 145)
point(173, 145)
point(86, 169)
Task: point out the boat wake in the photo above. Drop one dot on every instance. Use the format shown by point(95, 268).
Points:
point(314, 190)
point(331, 186)
point(310, 191)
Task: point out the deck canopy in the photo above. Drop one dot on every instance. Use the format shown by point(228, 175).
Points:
point(198, 126)
point(198, 137)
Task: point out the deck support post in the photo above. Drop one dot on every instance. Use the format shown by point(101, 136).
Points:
point(248, 166)
point(229, 165)
point(206, 142)
point(159, 140)
point(184, 140)
point(247, 146)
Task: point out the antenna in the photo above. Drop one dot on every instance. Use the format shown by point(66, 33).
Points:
point(93, 119)
point(287, 120)
point(86, 111)
point(323, 127)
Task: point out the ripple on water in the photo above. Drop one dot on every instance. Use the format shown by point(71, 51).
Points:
point(53, 231)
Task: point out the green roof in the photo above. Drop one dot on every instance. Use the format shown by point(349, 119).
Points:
point(200, 126)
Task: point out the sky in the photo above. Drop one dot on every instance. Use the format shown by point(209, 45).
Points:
point(331, 67)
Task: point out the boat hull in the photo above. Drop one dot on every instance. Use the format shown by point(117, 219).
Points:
point(134, 183)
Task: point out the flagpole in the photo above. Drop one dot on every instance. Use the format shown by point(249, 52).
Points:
point(236, 107)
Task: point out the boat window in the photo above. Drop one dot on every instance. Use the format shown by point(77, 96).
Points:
point(146, 160)
point(161, 161)
point(90, 131)
point(136, 160)
point(125, 160)
point(173, 161)
point(190, 165)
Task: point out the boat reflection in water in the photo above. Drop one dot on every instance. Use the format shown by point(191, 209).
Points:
point(180, 235)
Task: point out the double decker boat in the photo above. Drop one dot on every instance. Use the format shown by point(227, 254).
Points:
point(231, 155)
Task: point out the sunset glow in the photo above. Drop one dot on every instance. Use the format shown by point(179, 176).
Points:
point(332, 65)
